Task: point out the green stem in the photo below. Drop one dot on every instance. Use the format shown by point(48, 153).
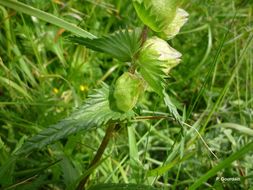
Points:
point(143, 38)
point(111, 128)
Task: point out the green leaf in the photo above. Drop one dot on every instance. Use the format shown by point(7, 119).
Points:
point(156, 59)
point(122, 44)
point(6, 172)
point(154, 75)
point(11, 84)
point(166, 167)
point(172, 108)
point(239, 128)
point(122, 187)
point(148, 17)
point(94, 113)
point(69, 171)
point(223, 164)
point(23, 8)
point(156, 14)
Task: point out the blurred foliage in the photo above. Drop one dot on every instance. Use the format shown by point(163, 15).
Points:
point(43, 77)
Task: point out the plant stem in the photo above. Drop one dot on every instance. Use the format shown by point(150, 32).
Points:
point(111, 128)
point(143, 38)
point(151, 117)
point(144, 35)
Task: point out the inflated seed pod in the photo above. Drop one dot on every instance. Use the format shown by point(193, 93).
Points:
point(156, 14)
point(158, 50)
point(174, 27)
point(128, 88)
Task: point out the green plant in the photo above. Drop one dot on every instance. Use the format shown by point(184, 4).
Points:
point(154, 63)
point(43, 76)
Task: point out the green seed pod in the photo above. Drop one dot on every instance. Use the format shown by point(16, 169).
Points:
point(159, 51)
point(128, 88)
point(174, 27)
point(156, 14)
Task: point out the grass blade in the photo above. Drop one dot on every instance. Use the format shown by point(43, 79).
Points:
point(9, 83)
point(225, 163)
point(122, 186)
point(21, 7)
point(240, 128)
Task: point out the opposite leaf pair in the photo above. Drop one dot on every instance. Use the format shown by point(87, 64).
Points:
point(155, 58)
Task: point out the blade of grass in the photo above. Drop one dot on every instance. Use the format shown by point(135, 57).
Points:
point(9, 83)
point(212, 67)
point(226, 88)
point(240, 128)
point(21, 7)
point(225, 163)
point(133, 152)
point(24, 66)
point(165, 168)
point(7, 30)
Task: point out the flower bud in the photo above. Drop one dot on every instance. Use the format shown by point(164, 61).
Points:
point(159, 51)
point(174, 27)
point(128, 88)
point(156, 14)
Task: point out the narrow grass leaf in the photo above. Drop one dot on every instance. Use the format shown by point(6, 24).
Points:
point(23, 8)
point(9, 83)
point(223, 164)
point(6, 172)
point(135, 162)
point(122, 187)
point(234, 70)
point(165, 168)
point(240, 128)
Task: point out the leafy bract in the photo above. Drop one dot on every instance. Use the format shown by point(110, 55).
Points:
point(156, 14)
point(154, 75)
point(122, 186)
point(122, 44)
point(94, 113)
point(156, 59)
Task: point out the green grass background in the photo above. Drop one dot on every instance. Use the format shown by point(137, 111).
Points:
point(43, 77)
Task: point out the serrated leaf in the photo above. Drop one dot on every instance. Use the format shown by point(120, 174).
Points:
point(69, 171)
point(172, 108)
point(94, 113)
point(148, 17)
point(122, 187)
point(153, 73)
point(156, 14)
point(156, 59)
point(122, 44)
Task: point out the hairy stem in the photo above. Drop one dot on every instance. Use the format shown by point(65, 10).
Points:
point(143, 38)
point(144, 35)
point(111, 128)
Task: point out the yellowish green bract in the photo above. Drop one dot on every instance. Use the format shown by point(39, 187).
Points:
point(156, 14)
point(128, 88)
point(157, 50)
point(174, 27)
